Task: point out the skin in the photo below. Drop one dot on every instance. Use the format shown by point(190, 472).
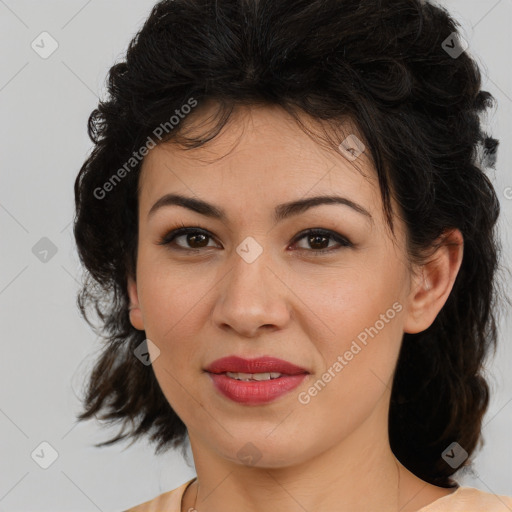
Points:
point(288, 303)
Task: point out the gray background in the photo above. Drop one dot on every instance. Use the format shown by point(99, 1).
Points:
point(47, 349)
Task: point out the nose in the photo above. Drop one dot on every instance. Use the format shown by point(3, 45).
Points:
point(252, 297)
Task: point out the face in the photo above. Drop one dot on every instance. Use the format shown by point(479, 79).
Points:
point(335, 302)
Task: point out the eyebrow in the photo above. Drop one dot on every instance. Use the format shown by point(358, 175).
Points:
point(281, 212)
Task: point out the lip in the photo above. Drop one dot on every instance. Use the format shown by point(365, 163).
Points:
point(264, 364)
point(255, 392)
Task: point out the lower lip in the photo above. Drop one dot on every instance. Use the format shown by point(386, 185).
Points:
point(255, 392)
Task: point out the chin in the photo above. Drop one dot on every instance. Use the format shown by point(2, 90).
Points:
point(258, 451)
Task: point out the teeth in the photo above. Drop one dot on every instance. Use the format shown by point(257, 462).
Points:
point(253, 376)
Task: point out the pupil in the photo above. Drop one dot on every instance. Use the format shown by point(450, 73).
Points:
point(192, 237)
point(316, 237)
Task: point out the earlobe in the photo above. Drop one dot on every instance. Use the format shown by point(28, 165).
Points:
point(136, 318)
point(434, 282)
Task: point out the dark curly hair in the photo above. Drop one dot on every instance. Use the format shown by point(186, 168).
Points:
point(381, 64)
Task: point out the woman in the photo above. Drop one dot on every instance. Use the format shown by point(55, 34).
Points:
point(288, 210)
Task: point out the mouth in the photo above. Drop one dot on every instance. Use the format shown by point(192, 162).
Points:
point(255, 381)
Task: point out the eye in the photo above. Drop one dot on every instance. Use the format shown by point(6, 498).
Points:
point(317, 239)
point(197, 238)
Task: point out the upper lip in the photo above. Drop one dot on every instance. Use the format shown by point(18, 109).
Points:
point(265, 364)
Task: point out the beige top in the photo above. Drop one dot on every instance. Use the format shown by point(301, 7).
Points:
point(464, 499)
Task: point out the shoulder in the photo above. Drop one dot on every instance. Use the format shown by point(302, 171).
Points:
point(469, 499)
point(169, 501)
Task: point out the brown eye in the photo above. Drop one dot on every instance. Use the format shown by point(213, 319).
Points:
point(197, 239)
point(318, 240)
point(194, 238)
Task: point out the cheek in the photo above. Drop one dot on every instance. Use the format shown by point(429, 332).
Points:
point(362, 331)
point(172, 307)
point(357, 374)
point(174, 314)
point(350, 300)
point(172, 296)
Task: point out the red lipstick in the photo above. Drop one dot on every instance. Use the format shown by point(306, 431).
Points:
point(258, 365)
point(253, 391)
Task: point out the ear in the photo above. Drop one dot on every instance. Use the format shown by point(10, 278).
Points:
point(135, 312)
point(434, 282)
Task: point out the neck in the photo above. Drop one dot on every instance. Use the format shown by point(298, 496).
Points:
point(358, 473)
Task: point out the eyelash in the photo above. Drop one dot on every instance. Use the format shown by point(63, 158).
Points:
point(168, 238)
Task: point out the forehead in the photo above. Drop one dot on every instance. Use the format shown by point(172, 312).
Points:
point(261, 156)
